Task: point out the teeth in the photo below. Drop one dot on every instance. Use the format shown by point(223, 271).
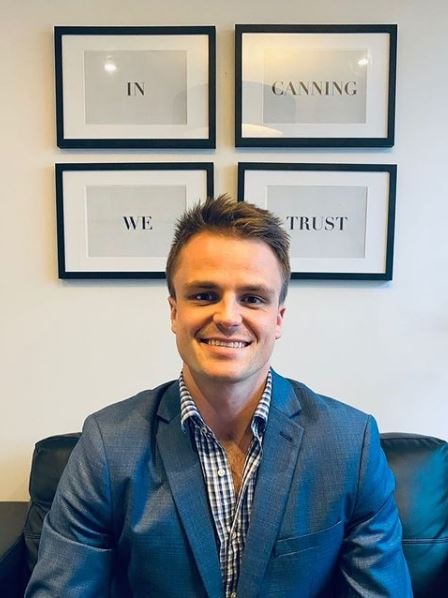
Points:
point(230, 344)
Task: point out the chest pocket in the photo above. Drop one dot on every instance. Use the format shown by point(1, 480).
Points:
point(322, 538)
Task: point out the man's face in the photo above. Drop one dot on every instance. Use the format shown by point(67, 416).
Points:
point(226, 313)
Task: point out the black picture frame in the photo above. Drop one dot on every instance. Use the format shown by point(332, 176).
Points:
point(282, 115)
point(98, 205)
point(93, 112)
point(367, 192)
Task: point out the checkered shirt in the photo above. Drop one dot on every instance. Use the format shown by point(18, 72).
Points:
point(231, 514)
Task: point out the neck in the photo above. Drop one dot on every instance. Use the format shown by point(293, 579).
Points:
point(225, 407)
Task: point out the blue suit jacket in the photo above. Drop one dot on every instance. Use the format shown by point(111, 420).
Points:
point(131, 515)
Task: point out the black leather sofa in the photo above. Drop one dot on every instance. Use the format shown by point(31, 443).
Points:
point(420, 465)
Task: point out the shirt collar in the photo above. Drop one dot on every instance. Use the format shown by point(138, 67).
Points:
point(190, 412)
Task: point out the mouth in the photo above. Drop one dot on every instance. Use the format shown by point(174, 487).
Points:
point(215, 342)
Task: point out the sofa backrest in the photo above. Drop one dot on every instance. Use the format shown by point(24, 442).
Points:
point(49, 460)
point(420, 465)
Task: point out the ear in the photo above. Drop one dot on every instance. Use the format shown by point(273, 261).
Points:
point(279, 324)
point(173, 313)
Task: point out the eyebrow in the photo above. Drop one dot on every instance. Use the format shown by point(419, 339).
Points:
point(202, 284)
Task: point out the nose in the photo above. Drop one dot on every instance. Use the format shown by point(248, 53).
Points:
point(227, 314)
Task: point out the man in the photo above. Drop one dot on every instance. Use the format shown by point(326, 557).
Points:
point(231, 481)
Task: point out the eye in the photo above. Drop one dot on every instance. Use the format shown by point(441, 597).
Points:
point(204, 297)
point(253, 300)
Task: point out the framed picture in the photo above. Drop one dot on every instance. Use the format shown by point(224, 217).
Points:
point(135, 87)
point(315, 85)
point(117, 220)
point(340, 217)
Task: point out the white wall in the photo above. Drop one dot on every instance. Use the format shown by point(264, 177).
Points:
point(69, 348)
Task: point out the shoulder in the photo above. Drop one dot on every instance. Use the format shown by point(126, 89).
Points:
point(326, 421)
point(310, 404)
point(130, 419)
point(318, 404)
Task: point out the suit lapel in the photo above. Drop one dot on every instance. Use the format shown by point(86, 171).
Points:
point(281, 445)
point(184, 474)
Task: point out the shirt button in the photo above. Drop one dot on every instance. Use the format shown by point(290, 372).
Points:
point(221, 472)
point(233, 538)
point(233, 595)
point(204, 430)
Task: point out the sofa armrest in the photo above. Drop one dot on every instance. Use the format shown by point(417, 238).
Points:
point(12, 554)
point(420, 466)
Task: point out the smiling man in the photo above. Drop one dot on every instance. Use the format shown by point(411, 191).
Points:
point(231, 481)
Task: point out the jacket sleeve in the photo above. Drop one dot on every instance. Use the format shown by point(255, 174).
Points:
point(76, 547)
point(372, 563)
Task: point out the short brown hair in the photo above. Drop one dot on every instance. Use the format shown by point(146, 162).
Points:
point(239, 219)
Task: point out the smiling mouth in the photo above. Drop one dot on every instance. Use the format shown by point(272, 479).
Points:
point(214, 342)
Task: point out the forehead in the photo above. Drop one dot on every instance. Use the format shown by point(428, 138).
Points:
point(219, 255)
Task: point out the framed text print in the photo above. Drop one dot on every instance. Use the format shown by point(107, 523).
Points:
point(340, 217)
point(117, 220)
point(315, 85)
point(135, 87)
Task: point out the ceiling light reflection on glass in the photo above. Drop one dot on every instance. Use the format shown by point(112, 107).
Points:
point(110, 67)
